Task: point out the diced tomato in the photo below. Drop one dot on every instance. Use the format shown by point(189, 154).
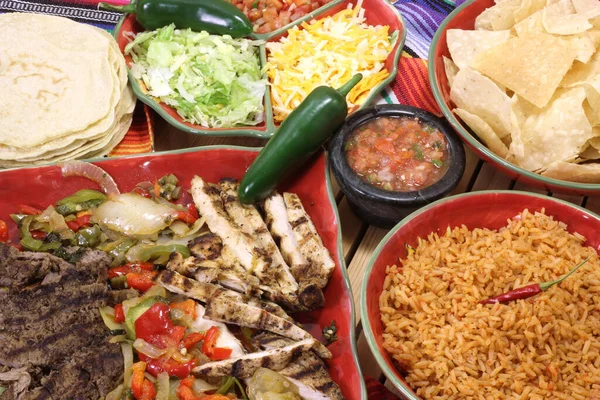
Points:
point(186, 217)
point(3, 231)
point(142, 192)
point(193, 338)
point(188, 307)
point(119, 314)
point(220, 353)
point(25, 209)
point(137, 380)
point(39, 235)
point(141, 281)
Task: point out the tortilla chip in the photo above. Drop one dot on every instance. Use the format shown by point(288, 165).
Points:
point(483, 131)
point(584, 6)
point(531, 66)
point(451, 69)
point(531, 24)
point(497, 18)
point(478, 95)
point(556, 133)
point(581, 73)
point(584, 173)
point(465, 45)
point(528, 7)
point(582, 44)
point(562, 18)
point(592, 93)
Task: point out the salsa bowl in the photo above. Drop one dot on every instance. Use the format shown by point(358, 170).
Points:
point(486, 209)
point(376, 12)
point(381, 207)
point(463, 17)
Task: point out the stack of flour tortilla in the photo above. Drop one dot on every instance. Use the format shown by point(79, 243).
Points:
point(63, 91)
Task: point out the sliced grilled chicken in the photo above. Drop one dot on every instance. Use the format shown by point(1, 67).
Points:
point(309, 293)
point(242, 245)
point(321, 264)
point(177, 283)
point(225, 338)
point(281, 230)
point(250, 221)
point(245, 366)
point(308, 371)
point(230, 310)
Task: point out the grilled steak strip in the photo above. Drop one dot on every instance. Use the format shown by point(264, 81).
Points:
point(50, 326)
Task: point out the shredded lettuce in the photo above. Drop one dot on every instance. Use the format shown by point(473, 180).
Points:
point(213, 81)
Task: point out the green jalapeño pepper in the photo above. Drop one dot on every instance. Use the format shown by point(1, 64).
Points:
point(213, 16)
point(298, 137)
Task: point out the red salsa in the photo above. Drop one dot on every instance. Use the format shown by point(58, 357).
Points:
point(398, 154)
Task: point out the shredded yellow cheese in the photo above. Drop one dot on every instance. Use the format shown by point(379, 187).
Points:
point(329, 52)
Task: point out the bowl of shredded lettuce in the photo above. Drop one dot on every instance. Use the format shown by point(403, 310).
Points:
point(198, 82)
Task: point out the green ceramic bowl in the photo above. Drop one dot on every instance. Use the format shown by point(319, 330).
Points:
point(464, 18)
point(376, 12)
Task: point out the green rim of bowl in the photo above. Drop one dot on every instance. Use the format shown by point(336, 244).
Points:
point(270, 127)
point(364, 317)
point(466, 135)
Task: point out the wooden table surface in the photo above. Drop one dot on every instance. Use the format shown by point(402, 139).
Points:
point(359, 238)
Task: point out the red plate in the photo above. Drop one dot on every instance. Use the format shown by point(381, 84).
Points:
point(43, 186)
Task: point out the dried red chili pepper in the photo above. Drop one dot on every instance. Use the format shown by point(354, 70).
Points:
point(528, 291)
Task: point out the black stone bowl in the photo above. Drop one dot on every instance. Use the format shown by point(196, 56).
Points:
point(381, 207)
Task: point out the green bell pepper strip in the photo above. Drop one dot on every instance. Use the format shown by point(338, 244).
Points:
point(118, 252)
point(87, 237)
point(214, 16)
point(29, 243)
point(80, 201)
point(299, 136)
point(163, 250)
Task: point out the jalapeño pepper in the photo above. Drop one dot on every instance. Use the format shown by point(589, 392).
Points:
point(213, 16)
point(299, 136)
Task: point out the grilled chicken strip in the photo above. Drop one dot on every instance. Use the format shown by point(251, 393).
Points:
point(228, 309)
point(250, 221)
point(177, 283)
point(209, 263)
point(309, 293)
point(245, 366)
point(308, 371)
point(311, 245)
point(242, 245)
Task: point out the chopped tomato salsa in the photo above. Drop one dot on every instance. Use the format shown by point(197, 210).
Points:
point(398, 154)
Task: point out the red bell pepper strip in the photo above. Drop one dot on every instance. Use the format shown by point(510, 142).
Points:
point(156, 189)
point(186, 217)
point(220, 353)
point(29, 210)
point(137, 380)
point(188, 307)
point(142, 192)
point(141, 281)
point(192, 339)
point(39, 235)
point(119, 314)
point(131, 267)
point(170, 366)
point(184, 391)
point(214, 397)
point(193, 210)
point(3, 231)
point(82, 220)
point(148, 391)
point(208, 347)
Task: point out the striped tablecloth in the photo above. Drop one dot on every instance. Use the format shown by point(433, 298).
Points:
point(140, 137)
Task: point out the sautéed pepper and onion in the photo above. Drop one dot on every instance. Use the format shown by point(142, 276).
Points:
point(398, 154)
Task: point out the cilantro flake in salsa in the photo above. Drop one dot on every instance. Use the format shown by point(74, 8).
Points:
point(398, 154)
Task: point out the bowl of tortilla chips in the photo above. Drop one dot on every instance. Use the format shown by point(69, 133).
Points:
point(519, 80)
